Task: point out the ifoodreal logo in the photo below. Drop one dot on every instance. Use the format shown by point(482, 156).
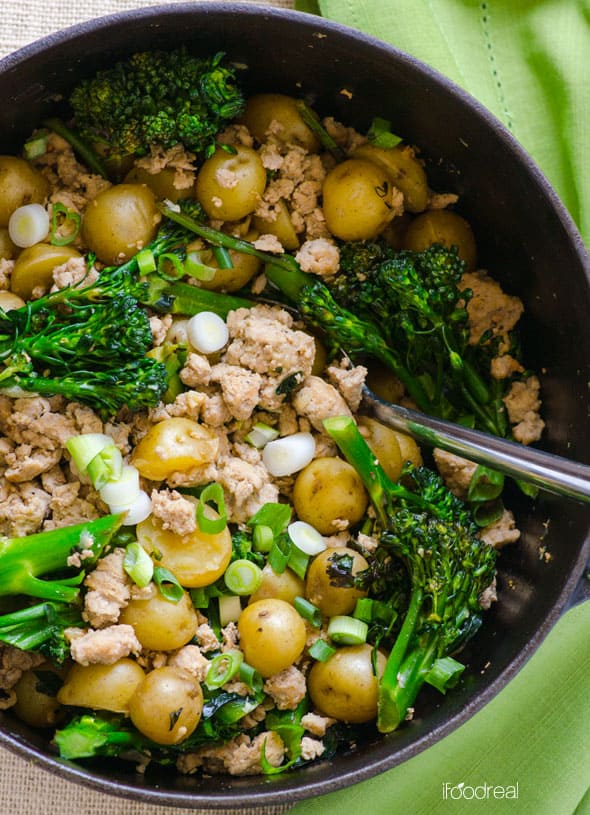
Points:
point(481, 792)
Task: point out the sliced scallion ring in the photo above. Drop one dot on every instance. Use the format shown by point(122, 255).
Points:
point(230, 608)
point(146, 262)
point(346, 630)
point(212, 526)
point(207, 332)
point(223, 668)
point(306, 537)
point(138, 564)
point(65, 220)
point(106, 466)
point(308, 611)
point(28, 225)
point(262, 538)
point(242, 577)
point(85, 447)
point(288, 455)
point(136, 511)
point(321, 650)
point(261, 434)
point(124, 490)
point(168, 584)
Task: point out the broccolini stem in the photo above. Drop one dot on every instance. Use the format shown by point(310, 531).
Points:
point(86, 153)
point(316, 127)
point(182, 298)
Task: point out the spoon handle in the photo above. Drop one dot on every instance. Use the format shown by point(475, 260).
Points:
point(547, 471)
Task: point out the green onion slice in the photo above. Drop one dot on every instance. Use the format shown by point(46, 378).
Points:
point(275, 516)
point(177, 265)
point(261, 434)
point(65, 219)
point(169, 586)
point(278, 557)
point(36, 146)
point(308, 611)
point(380, 134)
point(346, 630)
point(444, 673)
point(146, 262)
point(212, 526)
point(85, 447)
point(223, 668)
point(243, 577)
point(250, 676)
point(105, 467)
point(195, 266)
point(262, 538)
point(138, 564)
point(298, 562)
point(230, 608)
point(321, 650)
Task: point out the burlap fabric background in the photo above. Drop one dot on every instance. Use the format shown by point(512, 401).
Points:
point(25, 788)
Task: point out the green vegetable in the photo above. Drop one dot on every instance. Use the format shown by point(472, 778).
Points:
point(347, 630)
point(158, 98)
point(41, 628)
point(24, 561)
point(433, 535)
point(243, 577)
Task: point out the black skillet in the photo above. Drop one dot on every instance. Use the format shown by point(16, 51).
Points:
point(525, 237)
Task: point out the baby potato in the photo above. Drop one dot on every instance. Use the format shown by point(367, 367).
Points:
point(101, 687)
point(404, 170)
point(409, 449)
point(34, 267)
point(229, 185)
point(10, 301)
point(327, 491)
point(8, 250)
point(285, 586)
point(383, 442)
point(272, 635)
point(282, 226)
point(160, 624)
point(197, 559)
point(120, 221)
point(344, 686)
point(35, 703)
point(20, 184)
point(264, 108)
point(160, 183)
point(357, 200)
point(166, 707)
point(319, 589)
point(228, 280)
point(445, 227)
point(172, 446)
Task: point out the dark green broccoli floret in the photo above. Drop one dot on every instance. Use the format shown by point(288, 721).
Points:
point(432, 533)
point(157, 98)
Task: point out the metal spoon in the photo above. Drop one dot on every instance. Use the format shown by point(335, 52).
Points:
point(547, 471)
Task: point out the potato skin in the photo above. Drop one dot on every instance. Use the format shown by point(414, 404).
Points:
point(404, 170)
point(383, 442)
point(344, 686)
point(166, 707)
point(20, 184)
point(174, 445)
point(101, 687)
point(357, 200)
point(120, 221)
point(229, 185)
point(285, 586)
point(328, 490)
point(34, 706)
point(160, 624)
point(34, 267)
point(272, 635)
point(332, 599)
point(445, 227)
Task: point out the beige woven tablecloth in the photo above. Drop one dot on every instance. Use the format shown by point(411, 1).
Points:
point(24, 788)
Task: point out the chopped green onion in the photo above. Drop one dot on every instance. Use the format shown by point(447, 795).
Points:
point(124, 490)
point(487, 512)
point(169, 257)
point(242, 577)
point(230, 608)
point(485, 484)
point(261, 434)
point(195, 267)
point(207, 332)
point(85, 447)
point(321, 650)
point(289, 454)
point(169, 586)
point(444, 673)
point(135, 511)
point(262, 538)
point(223, 257)
point(307, 538)
point(298, 562)
point(371, 610)
point(276, 516)
point(308, 611)
point(65, 219)
point(223, 668)
point(35, 146)
point(146, 262)
point(105, 467)
point(250, 676)
point(212, 526)
point(138, 564)
point(347, 630)
point(380, 134)
point(278, 557)
point(200, 597)
point(28, 225)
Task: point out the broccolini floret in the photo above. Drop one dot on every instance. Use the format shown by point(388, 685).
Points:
point(157, 98)
point(432, 533)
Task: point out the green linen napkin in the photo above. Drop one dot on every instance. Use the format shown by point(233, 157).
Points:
point(525, 60)
point(534, 734)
